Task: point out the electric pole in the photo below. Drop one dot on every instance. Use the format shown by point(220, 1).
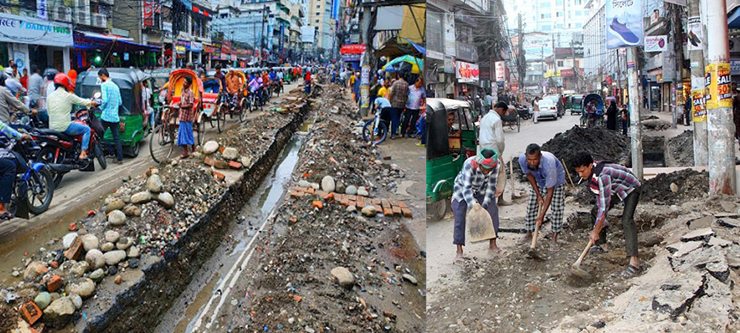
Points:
point(697, 94)
point(521, 62)
point(634, 97)
point(678, 50)
point(366, 36)
point(720, 126)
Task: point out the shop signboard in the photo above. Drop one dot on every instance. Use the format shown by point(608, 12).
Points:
point(500, 71)
point(41, 10)
point(624, 20)
point(27, 30)
point(196, 46)
point(466, 72)
point(209, 49)
point(226, 47)
point(655, 43)
point(695, 34)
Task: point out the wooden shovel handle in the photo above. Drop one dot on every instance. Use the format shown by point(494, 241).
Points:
point(585, 251)
point(536, 227)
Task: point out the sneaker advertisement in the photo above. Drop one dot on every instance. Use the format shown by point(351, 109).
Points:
point(623, 23)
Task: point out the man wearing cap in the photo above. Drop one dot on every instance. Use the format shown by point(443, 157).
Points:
point(492, 137)
point(476, 185)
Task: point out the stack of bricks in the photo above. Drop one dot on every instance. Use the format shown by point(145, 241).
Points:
point(386, 206)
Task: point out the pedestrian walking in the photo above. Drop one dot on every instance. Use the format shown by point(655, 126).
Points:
point(476, 184)
point(186, 117)
point(110, 102)
point(417, 94)
point(35, 86)
point(612, 182)
point(492, 137)
point(546, 176)
point(399, 97)
point(536, 109)
point(625, 116)
point(611, 116)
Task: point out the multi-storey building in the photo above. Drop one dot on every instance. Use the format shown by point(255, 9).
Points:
point(320, 16)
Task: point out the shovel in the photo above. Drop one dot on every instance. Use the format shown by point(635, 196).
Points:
point(480, 225)
point(575, 269)
point(532, 252)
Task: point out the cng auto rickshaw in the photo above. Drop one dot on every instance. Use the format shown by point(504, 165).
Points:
point(574, 104)
point(597, 118)
point(451, 139)
point(134, 124)
point(160, 77)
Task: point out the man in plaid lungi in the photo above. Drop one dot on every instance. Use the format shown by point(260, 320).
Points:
point(547, 177)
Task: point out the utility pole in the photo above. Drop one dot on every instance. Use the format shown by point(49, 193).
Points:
point(697, 95)
point(366, 34)
point(161, 28)
point(520, 57)
point(634, 97)
point(619, 76)
point(720, 126)
point(678, 50)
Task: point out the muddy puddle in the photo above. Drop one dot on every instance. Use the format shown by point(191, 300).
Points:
point(185, 311)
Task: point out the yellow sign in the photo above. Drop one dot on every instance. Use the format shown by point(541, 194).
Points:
point(699, 114)
point(717, 82)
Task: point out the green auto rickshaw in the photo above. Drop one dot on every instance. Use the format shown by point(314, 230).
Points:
point(574, 104)
point(134, 124)
point(451, 139)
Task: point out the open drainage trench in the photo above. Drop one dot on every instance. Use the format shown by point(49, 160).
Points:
point(653, 151)
point(200, 298)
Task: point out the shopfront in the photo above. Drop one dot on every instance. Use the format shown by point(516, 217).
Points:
point(28, 41)
point(468, 78)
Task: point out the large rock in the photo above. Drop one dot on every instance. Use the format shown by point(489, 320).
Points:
point(112, 236)
point(166, 199)
point(95, 259)
point(230, 153)
point(133, 252)
point(68, 239)
point(59, 313)
point(245, 161)
point(84, 287)
point(114, 205)
point(89, 242)
point(344, 276)
point(154, 184)
point(351, 190)
point(702, 234)
point(210, 147)
point(117, 218)
point(114, 257)
point(328, 184)
point(132, 210)
point(97, 275)
point(76, 300)
point(35, 269)
point(681, 249)
point(124, 243)
point(107, 246)
point(141, 197)
point(369, 211)
point(362, 191)
point(80, 267)
point(43, 300)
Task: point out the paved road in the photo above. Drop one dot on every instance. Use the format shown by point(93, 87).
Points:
point(441, 256)
point(78, 193)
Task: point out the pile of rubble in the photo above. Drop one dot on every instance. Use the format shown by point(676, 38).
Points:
point(144, 216)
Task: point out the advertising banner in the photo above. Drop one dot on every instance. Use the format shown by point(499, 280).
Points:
point(655, 43)
point(695, 34)
point(148, 12)
point(449, 33)
point(196, 46)
point(27, 30)
point(467, 72)
point(500, 71)
point(365, 87)
point(623, 23)
point(42, 10)
point(718, 81)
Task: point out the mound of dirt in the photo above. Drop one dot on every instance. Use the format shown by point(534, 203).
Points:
point(655, 125)
point(601, 143)
point(680, 150)
point(690, 185)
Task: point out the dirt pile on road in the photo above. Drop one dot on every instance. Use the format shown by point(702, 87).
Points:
point(680, 150)
point(601, 143)
point(676, 187)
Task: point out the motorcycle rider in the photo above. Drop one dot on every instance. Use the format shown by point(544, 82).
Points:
point(8, 102)
point(7, 169)
point(59, 106)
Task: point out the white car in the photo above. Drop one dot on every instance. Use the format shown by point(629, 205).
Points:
point(548, 108)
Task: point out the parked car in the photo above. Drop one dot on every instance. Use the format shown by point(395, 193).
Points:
point(558, 103)
point(548, 109)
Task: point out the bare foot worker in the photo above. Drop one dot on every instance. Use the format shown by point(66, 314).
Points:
point(612, 182)
point(476, 185)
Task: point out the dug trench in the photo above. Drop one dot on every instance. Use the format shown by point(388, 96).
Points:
point(163, 242)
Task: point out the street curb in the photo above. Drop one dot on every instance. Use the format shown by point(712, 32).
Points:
point(146, 294)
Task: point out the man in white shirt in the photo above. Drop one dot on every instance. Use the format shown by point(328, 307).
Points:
point(492, 136)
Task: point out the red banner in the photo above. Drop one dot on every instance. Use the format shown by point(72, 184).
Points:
point(209, 48)
point(352, 49)
point(150, 7)
point(567, 72)
point(226, 47)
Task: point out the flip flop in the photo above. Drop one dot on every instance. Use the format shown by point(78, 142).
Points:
point(596, 249)
point(6, 216)
point(630, 271)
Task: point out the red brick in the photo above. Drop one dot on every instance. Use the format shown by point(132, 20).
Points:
point(406, 212)
point(321, 194)
point(402, 204)
point(219, 176)
point(74, 252)
point(328, 196)
point(317, 204)
point(397, 211)
point(31, 312)
point(219, 164)
point(235, 165)
point(310, 190)
point(351, 203)
point(209, 161)
point(54, 283)
point(375, 201)
point(296, 194)
point(378, 208)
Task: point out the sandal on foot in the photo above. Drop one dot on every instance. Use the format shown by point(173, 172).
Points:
point(630, 271)
point(6, 216)
point(596, 249)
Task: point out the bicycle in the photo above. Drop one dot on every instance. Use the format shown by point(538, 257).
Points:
point(375, 130)
point(165, 134)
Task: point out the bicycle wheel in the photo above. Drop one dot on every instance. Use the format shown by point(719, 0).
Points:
point(221, 117)
point(165, 143)
point(242, 109)
point(199, 128)
point(380, 132)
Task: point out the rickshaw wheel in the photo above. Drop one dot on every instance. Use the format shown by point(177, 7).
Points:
point(164, 140)
point(221, 117)
point(242, 109)
point(200, 128)
point(518, 124)
point(438, 209)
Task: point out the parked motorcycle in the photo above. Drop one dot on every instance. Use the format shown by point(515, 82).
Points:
point(34, 185)
point(61, 151)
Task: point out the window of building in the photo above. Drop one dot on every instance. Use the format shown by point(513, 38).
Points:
point(560, 63)
point(579, 13)
point(318, 6)
point(560, 26)
point(559, 2)
point(559, 14)
point(434, 31)
point(546, 27)
point(578, 25)
point(318, 13)
point(317, 21)
point(544, 5)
